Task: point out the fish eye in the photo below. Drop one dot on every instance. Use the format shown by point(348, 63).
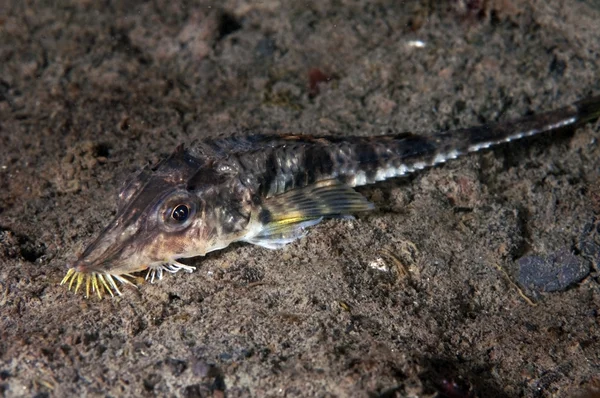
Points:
point(177, 211)
point(180, 213)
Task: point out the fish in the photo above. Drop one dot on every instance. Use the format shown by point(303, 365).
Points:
point(268, 190)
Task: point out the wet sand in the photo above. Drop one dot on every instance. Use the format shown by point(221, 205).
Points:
point(433, 294)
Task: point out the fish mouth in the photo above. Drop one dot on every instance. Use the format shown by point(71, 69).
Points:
point(109, 262)
point(95, 279)
point(106, 263)
point(101, 282)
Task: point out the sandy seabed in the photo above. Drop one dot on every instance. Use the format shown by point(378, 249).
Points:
point(424, 297)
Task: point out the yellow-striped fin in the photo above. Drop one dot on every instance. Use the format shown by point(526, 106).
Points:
point(284, 218)
point(323, 199)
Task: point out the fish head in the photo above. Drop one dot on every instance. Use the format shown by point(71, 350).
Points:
point(159, 219)
point(155, 228)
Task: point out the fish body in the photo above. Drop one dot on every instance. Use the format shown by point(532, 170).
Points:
point(267, 190)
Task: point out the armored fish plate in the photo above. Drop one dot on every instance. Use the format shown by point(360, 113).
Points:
point(267, 190)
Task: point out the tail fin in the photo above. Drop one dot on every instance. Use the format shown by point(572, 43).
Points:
point(588, 109)
point(383, 157)
point(277, 164)
point(480, 137)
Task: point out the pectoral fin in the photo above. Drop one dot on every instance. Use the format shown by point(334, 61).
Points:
point(284, 218)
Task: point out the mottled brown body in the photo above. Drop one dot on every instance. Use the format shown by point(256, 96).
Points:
point(267, 190)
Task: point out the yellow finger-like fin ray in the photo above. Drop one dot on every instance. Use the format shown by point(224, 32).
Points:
point(80, 277)
point(105, 285)
point(96, 282)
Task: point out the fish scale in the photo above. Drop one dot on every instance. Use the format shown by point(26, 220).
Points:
point(267, 190)
point(301, 160)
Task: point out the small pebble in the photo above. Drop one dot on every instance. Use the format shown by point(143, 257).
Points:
point(554, 273)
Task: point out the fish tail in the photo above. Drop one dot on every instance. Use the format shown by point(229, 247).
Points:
point(368, 160)
point(279, 164)
point(588, 109)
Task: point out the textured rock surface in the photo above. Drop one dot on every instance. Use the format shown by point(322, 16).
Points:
point(554, 273)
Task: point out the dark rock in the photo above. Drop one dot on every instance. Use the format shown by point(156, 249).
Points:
point(554, 273)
